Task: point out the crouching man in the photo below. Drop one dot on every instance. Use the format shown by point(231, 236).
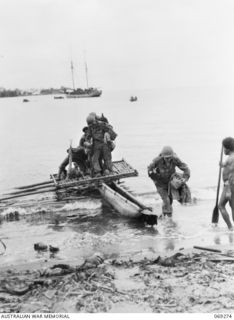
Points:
point(79, 158)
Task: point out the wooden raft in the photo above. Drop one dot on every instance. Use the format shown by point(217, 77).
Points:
point(121, 169)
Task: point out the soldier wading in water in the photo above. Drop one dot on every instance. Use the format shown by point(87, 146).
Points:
point(162, 170)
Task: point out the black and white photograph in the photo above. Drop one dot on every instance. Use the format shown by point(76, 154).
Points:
point(117, 158)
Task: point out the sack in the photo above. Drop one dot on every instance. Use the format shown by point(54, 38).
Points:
point(185, 194)
point(176, 181)
point(112, 133)
point(179, 189)
point(111, 145)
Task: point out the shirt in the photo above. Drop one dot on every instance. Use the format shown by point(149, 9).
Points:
point(164, 170)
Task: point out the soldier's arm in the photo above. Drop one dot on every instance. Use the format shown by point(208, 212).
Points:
point(183, 167)
point(153, 164)
point(89, 134)
point(82, 140)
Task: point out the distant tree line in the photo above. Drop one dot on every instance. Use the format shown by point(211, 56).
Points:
point(16, 92)
point(11, 93)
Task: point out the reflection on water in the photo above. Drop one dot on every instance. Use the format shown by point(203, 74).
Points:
point(227, 237)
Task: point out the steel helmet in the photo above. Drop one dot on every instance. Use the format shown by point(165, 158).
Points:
point(167, 151)
point(91, 118)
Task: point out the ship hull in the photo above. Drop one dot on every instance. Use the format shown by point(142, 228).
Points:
point(84, 95)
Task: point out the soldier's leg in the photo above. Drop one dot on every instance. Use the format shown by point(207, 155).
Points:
point(107, 158)
point(95, 159)
point(167, 200)
point(222, 206)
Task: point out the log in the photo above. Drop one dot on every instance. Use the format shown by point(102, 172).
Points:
point(220, 259)
point(29, 189)
point(132, 198)
point(35, 185)
point(24, 194)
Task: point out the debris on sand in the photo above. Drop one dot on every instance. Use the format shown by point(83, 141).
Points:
point(183, 282)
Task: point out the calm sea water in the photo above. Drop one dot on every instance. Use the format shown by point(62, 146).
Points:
point(34, 137)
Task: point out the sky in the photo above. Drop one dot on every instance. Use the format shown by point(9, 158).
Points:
point(128, 44)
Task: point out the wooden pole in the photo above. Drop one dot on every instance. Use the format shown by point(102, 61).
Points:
point(29, 190)
point(215, 215)
point(35, 185)
point(24, 194)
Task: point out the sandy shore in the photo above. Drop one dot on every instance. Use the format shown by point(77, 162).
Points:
point(186, 281)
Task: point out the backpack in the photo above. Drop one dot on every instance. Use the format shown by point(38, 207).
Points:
point(112, 133)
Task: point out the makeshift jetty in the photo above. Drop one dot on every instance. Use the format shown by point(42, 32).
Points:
point(108, 186)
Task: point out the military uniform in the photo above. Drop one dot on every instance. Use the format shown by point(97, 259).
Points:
point(100, 150)
point(161, 172)
point(79, 157)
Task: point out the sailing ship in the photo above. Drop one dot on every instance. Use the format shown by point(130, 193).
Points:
point(89, 92)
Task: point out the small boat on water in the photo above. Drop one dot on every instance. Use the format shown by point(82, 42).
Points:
point(125, 203)
point(58, 97)
point(88, 92)
point(132, 99)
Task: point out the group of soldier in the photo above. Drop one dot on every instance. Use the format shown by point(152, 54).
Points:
point(93, 157)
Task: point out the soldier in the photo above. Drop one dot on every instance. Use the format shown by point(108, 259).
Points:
point(100, 149)
point(161, 171)
point(79, 157)
point(84, 137)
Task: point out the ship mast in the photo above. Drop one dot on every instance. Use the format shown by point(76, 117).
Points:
point(72, 72)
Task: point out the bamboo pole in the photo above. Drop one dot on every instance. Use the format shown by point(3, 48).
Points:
point(35, 185)
point(28, 190)
point(24, 194)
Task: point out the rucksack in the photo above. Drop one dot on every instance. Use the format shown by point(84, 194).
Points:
point(112, 133)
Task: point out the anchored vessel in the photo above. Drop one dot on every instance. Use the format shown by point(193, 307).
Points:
point(89, 92)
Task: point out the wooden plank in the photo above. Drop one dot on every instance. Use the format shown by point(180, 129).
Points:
point(98, 180)
point(131, 197)
point(207, 249)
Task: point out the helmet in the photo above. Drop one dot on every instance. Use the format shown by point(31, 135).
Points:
point(167, 152)
point(91, 118)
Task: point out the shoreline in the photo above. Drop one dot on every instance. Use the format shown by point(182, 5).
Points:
point(185, 281)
